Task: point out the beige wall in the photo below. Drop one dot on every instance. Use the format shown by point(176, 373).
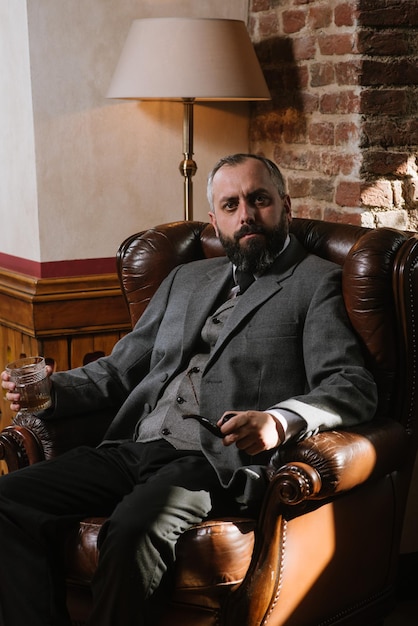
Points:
point(79, 172)
point(18, 187)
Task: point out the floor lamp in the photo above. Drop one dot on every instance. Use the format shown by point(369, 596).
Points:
point(188, 60)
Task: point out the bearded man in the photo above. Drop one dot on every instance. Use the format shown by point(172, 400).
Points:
point(233, 357)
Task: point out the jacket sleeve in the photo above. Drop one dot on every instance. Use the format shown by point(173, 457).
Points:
point(106, 383)
point(341, 392)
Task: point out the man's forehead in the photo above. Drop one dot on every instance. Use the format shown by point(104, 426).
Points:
point(244, 177)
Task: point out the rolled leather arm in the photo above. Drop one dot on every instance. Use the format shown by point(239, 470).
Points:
point(31, 439)
point(19, 447)
point(335, 461)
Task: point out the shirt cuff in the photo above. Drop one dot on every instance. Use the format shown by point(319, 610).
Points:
point(292, 424)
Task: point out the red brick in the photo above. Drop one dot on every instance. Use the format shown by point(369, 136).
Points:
point(348, 194)
point(343, 216)
point(348, 72)
point(397, 193)
point(388, 43)
point(268, 25)
point(345, 14)
point(267, 125)
point(337, 44)
point(302, 160)
point(294, 127)
point(377, 194)
point(307, 210)
point(299, 187)
point(412, 131)
point(323, 189)
point(393, 72)
point(321, 134)
point(320, 16)
point(403, 13)
point(410, 193)
point(310, 102)
point(346, 132)
point(260, 5)
point(382, 163)
point(302, 74)
point(293, 21)
point(322, 74)
point(333, 163)
point(384, 101)
point(304, 48)
point(385, 132)
point(340, 102)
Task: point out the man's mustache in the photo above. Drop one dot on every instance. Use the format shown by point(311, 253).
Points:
point(253, 229)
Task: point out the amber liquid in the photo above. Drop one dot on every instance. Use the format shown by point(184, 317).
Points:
point(34, 396)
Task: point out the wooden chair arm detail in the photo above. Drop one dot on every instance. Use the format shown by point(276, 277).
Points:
point(315, 468)
point(19, 447)
point(335, 461)
point(31, 439)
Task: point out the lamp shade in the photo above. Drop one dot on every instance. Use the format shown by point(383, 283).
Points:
point(188, 58)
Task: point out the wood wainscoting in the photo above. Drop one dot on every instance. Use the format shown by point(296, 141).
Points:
point(68, 320)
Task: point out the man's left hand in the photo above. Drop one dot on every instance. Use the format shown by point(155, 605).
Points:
point(252, 431)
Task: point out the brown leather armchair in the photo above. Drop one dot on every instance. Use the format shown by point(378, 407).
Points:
point(324, 549)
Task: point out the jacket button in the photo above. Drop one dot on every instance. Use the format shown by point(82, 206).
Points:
point(165, 432)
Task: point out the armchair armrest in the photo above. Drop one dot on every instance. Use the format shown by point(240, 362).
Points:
point(31, 439)
point(313, 469)
point(335, 461)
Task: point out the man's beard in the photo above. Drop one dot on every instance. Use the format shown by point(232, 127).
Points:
point(259, 252)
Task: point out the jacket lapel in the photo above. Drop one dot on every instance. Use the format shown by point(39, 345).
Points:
point(203, 301)
point(262, 289)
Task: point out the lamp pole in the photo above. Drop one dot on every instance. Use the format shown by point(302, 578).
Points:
point(155, 64)
point(188, 167)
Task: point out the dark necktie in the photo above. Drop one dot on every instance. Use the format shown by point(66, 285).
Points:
point(244, 280)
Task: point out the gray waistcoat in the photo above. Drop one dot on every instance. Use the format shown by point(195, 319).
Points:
point(181, 396)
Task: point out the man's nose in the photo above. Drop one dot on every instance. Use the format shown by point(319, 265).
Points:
point(247, 211)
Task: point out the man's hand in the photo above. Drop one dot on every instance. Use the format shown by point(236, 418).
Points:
point(251, 431)
point(11, 395)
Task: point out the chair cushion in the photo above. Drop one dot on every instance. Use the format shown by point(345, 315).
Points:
point(229, 543)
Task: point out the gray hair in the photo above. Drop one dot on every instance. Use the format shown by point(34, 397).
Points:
point(237, 159)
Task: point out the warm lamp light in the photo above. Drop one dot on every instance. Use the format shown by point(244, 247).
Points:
point(188, 59)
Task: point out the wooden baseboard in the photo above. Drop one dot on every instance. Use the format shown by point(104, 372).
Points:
point(53, 306)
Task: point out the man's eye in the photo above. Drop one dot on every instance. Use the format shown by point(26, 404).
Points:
point(230, 206)
point(261, 200)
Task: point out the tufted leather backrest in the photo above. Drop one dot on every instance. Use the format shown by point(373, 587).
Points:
point(367, 257)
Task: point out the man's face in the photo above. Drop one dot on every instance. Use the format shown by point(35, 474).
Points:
point(249, 217)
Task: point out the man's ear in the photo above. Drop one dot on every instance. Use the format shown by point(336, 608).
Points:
point(213, 222)
point(287, 204)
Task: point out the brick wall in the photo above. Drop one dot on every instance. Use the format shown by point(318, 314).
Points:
point(343, 120)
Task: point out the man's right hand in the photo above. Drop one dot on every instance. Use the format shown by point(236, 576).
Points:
point(11, 395)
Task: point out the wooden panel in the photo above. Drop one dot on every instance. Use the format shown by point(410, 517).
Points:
point(61, 319)
point(58, 349)
point(85, 348)
point(74, 305)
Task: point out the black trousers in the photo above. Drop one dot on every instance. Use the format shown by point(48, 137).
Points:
point(151, 493)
